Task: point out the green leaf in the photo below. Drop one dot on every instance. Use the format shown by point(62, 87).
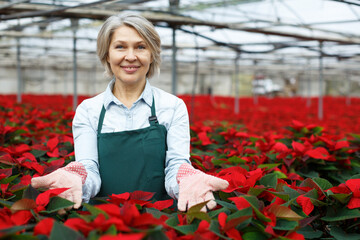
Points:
point(214, 213)
point(57, 203)
point(93, 235)
point(253, 201)
point(312, 184)
point(24, 237)
point(61, 232)
point(236, 160)
point(94, 210)
point(15, 229)
point(186, 229)
point(31, 193)
point(156, 233)
point(217, 162)
point(341, 214)
point(283, 224)
point(194, 212)
point(37, 153)
point(111, 230)
point(355, 176)
point(312, 194)
point(172, 221)
point(341, 197)
point(269, 180)
point(156, 213)
point(283, 196)
point(197, 207)
point(243, 212)
point(323, 183)
point(268, 165)
point(255, 191)
point(280, 174)
point(309, 174)
point(215, 228)
point(310, 233)
point(8, 179)
point(198, 215)
point(317, 130)
point(5, 203)
point(226, 204)
point(339, 234)
point(254, 235)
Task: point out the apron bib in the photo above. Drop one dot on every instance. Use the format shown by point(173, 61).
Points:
point(133, 160)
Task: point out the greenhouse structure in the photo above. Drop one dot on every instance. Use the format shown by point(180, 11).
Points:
point(271, 96)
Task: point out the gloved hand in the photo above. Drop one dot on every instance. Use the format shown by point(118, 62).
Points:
point(197, 187)
point(72, 176)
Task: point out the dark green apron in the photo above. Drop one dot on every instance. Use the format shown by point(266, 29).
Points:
point(133, 160)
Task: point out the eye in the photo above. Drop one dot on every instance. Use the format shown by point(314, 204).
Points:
point(119, 47)
point(141, 47)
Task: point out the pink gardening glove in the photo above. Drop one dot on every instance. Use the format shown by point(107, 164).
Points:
point(72, 176)
point(197, 187)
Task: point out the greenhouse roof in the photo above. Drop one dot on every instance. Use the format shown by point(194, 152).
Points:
point(268, 31)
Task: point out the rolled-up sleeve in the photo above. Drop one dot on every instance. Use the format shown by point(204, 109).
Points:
point(178, 142)
point(85, 145)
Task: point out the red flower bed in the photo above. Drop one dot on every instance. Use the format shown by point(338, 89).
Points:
point(291, 176)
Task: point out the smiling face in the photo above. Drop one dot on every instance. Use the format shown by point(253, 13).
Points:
point(129, 56)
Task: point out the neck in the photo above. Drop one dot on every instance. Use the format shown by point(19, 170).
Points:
point(128, 93)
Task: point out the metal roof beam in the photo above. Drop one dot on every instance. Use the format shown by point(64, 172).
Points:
point(170, 19)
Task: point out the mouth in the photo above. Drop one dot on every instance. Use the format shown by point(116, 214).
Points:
point(130, 68)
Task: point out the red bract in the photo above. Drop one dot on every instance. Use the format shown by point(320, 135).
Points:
point(4, 173)
point(137, 197)
point(44, 227)
point(120, 236)
point(275, 154)
point(318, 153)
point(43, 198)
point(160, 205)
point(204, 138)
point(228, 227)
point(306, 204)
point(354, 186)
point(52, 145)
point(80, 225)
point(240, 202)
point(203, 232)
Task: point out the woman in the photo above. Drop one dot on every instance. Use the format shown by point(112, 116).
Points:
point(133, 136)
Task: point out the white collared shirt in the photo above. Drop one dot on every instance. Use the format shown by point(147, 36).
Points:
point(171, 112)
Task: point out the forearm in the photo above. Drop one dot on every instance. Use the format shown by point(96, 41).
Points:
point(92, 185)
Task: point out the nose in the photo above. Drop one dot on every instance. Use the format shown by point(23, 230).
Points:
point(130, 56)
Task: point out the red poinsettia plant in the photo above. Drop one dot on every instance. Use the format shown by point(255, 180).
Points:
point(290, 176)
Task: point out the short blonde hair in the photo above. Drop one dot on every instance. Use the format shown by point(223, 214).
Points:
point(145, 29)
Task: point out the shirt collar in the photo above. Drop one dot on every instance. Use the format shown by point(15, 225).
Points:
point(109, 97)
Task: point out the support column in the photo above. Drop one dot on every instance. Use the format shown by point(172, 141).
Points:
point(237, 102)
point(348, 79)
point(74, 25)
point(321, 83)
point(308, 83)
point(174, 63)
point(18, 70)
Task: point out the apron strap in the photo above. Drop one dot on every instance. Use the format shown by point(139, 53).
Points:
point(153, 119)
point(101, 119)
